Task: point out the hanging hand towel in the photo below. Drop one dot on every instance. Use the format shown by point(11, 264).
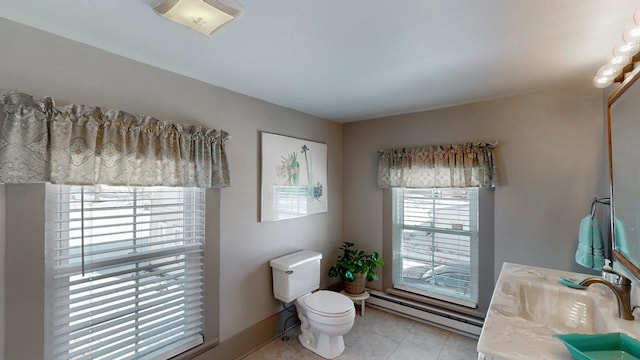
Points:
point(590, 252)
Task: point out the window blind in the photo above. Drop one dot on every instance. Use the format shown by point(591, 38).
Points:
point(124, 272)
point(436, 243)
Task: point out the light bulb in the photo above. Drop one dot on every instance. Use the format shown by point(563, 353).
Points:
point(609, 70)
point(632, 35)
point(620, 60)
point(602, 82)
point(626, 49)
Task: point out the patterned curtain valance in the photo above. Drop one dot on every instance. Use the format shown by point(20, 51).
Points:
point(466, 165)
point(84, 145)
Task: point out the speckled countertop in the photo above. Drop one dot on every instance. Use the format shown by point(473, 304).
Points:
point(529, 305)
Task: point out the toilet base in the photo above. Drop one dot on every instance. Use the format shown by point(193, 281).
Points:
point(322, 334)
point(329, 347)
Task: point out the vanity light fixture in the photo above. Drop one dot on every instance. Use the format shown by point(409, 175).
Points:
point(622, 56)
point(204, 16)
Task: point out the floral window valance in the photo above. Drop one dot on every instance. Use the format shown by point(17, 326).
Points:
point(85, 145)
point(465, 165)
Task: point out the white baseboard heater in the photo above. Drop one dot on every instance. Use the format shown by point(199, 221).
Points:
point(432, 315)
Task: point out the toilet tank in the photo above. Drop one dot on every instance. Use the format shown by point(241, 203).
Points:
point(295, 274)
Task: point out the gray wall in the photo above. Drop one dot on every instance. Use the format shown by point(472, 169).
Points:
point(45, 65)
point(25, 250)
point(2, 271)
point(550, 157)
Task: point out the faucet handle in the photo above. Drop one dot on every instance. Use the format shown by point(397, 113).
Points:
point(622, 280)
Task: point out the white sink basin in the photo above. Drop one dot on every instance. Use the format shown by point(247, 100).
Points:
point(559, 309)
point(529, 306)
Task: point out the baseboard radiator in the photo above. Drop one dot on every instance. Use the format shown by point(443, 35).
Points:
point(443, 318)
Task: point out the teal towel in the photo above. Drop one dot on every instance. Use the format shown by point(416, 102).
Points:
point(590, 252)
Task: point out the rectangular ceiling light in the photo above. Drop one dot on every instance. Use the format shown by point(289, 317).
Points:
point(204, 16)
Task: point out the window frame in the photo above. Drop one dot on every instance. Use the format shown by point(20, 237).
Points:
point(398, 224)
point(201, 244)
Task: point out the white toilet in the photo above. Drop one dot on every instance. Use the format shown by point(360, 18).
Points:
point(325, 315)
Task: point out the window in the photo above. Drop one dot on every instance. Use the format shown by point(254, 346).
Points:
point(124, 272)
point(435, 243)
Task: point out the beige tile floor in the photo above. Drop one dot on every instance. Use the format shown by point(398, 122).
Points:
point(380, 335)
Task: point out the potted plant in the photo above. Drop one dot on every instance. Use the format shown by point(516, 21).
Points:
point(355, 267)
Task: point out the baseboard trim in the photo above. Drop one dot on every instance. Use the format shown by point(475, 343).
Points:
point(247, 341)
point(200, 349)
point(459, 323)
point(435, 303)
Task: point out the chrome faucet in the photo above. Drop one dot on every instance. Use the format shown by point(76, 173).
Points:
point(621, 288)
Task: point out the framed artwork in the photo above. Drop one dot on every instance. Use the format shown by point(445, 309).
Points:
point(294, 177)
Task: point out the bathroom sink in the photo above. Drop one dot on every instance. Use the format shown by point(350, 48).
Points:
point(559, 309)
point(530, 306)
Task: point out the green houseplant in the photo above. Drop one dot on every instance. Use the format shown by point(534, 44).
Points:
point(355, 267)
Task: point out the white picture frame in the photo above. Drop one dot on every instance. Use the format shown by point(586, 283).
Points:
point(293, 177)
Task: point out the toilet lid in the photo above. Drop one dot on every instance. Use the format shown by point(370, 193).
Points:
point(328, 302)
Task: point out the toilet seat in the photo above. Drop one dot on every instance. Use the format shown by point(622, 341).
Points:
point(328, 304)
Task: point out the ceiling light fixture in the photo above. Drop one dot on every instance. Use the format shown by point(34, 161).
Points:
point(204, 16)
point(623, 55)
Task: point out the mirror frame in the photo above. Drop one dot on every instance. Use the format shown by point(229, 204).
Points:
point(617, 255)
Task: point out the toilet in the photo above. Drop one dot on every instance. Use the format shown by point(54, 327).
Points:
point(325, 316)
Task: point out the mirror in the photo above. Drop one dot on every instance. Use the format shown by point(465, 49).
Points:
point(624, 172)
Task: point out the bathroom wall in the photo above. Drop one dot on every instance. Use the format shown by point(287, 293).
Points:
point(45, 65)
point(550, 161)
point(2, 272)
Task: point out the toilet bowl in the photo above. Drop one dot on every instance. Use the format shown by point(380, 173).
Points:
point(325, 317)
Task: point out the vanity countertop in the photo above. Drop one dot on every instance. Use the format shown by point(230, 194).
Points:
point(529, 305)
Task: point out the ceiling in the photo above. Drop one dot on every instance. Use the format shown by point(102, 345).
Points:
point(358, 59)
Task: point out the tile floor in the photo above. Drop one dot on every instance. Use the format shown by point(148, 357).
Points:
point(380, 335)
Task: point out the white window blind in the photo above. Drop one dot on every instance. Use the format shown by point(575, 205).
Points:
point(124, 272)
point(435, 243)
